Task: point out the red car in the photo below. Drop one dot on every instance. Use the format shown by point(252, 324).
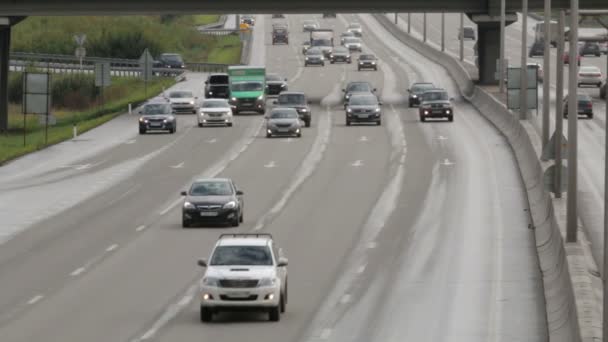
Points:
point(566, 58)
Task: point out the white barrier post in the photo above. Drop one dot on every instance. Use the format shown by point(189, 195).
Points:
point(74, 131)
point(130, 111)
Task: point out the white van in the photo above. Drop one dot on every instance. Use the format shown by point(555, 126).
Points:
point(539, 32)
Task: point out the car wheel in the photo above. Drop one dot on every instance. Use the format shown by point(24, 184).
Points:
point(229, 124)
point(142, 131)
point(241, 217)
point(347, 122)
point(236, 112)
point(379, 122)
point(268, 135)
point(185, 223)
point(451, 118)
point(422, 118)
point(200, 124)
point(307, 123)
point(376, 69)
point(275, 314)
point(599, 85)
point(236, 222)
point(358, 69)
point(590, 116)
point(206, 314)
point(299, 135)
point(282, 304)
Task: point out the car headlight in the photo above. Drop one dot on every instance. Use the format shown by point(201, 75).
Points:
point(306, 58)
point(264, 282)
point(283, 85)
point(165, 121)
point(211, 281)
point(347, 96)
point(230, 205)
point(191, 102)
point(188, 205)
point(377, 110)
point(415, 96)
point(348, 110)
point(304, 110)
point(331, 56)
point(373, 62)
point(143, 120)
point(210, 93)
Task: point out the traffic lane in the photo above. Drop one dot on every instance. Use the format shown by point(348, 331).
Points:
point(351, 176)
point(109, 217)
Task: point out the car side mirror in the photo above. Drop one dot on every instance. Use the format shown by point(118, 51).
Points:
point(206, 82)
point(282, 262)
point(379, 103)
point(375, 89)
point(183, 193)
point(275, 102)
point(202, 263)
point(239, 192)
point(344, 90)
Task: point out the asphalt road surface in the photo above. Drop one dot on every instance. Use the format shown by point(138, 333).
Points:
point(400, 232)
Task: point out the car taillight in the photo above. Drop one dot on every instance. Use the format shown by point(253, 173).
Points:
point(589, 105)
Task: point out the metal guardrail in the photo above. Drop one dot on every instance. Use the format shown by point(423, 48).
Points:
point(219, 32)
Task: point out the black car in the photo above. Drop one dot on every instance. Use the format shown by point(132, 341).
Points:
point(278, 16)
point(357, 87)
point(340, 54)
point(436, 103)
point(537, 49)
point(363, 108)
point(217, 86)
point(298, 101)
point(329, 15)
point(585, 105)
point(417, 90)
point(275, 84)
point(170, 60)
point(215, 201)
point(590, 49)
point(249, 20)
point(157, 117)
point(314, 56)
point(468, 32)
point(367, 61)
point(280, 34)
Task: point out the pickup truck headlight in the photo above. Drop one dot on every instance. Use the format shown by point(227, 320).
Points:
point(210, 281)
point(230, 205)
point(348, 110)
point(188, 205)
point(265, 282)
point(261, 97)
point(192, 102)
point(377, 110)
point(303, 110)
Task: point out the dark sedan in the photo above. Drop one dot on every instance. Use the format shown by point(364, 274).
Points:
point(436, 103)
point(363, 108)
point(357, 87)
point(157, 117)
point(340, 54)
point(214, 201)
point(585, 105)
point(416, 92)
point(367, 61)
point(275, 84)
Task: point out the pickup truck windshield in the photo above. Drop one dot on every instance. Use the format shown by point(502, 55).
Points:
point(241, 256)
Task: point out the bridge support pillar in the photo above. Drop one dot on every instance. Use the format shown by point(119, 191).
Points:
point(488, 45)
point(5, 43)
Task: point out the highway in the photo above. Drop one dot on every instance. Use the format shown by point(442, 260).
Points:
point(400, 232)
point(591, 132)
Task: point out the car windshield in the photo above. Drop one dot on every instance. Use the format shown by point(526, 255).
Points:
point(247, 86)
point(292, 99)
point(348, 34)
point(363, 101)
point(340, 51)
point(351, 40)
point(321, 42)
point(215, 104)
point(241, 256)
point(435, 96)
point(306, 43)
point(157, 109)
point(358, 87)
point(284, 114)
point(211, 188)
point(180, 94)
point(218, 79)
point(313, 52)
point(421, 87)
point(368, 57)
point(588, 70)
point(272, 77)
point(172, 58)
point(354, 26)
point(309, 23)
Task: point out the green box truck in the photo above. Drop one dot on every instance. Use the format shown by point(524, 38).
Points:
point(247, 89)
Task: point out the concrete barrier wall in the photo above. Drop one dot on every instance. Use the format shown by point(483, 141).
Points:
point(561, 308)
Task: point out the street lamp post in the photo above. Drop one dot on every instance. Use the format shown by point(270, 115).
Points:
point(523, 92)
point(559, 104)
point(461, 37)
point(571, 216)
point(503, 67)
point(547, 75)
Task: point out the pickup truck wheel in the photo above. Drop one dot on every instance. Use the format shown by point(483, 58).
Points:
point(206, 314)
point(274, 314)
point(142, 131)
point(307, 123)
point(200, 124)
point(451, 118)
point(282, 304)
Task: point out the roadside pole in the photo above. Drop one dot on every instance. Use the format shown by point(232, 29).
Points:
point(396, 16)
point(409, 23)
point(424, 28)
point(443, 32)
point(559, 104)
point(523, 91)
point(462, 36)
point(547, 75)
point(571, 227)
point(503, 24)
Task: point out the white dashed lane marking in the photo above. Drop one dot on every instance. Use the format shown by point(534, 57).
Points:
point(78, 271)
point(35, 299)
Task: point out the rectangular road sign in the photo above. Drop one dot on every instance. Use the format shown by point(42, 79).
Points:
point(102, 74)
point(36, 93)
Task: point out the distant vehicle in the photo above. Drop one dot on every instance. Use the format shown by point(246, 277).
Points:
point(244, 272)
point(603, 91)
point(539, 71)
point(566, 58)
point(278, 16)
point(157, 117)
point(309, 25)
point(283, 122)
point(275, 84)
point(329, 15)
point(314, 56)
point(539, 32)
point(346, 34)
point(469, 33)
point(585, 105)
point(213, 200)
point(217, 86)
point(170, 60)
point(183, 102)
point(247, 19)
point(435, 103)
point(352, 44)
point(305, 46)
point(537, 49)
point(603, 47)
point(416, 91)
point(322, 39)
point(298, 101)
point(363, 107)
point(340, 54)
point(590, 49)
point(357, 87)
point(280, 34)
point(590, 75)
point(367, 61)
point(247, 89)
point(355, 28)
point(215, 112)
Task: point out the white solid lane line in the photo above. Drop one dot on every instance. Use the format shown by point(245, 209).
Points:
point(178, 166)
point(270, 164)
point(357, 163)
point(78, 271)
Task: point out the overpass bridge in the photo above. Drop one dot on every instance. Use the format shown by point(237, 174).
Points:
point(486, 13)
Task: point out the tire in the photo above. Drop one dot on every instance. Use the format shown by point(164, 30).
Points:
point(599, 85)
point(451, 118)
point(590, 116)
point(200, 124)
point(185, 223)
point(242, 217)
point(422, 118)
point(236, 222)
point(379, 122)
point(307, 123)
point(142, 131)
point(410, 104)
point(299, 135)
point(229, 124)
point(282, 304)
point(347, 122)
point(206, 315)
point(236, 112)
point(274, 315)
point(268, 135)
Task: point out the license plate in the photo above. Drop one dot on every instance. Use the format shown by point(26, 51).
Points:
point(208, 213)
point(437, 112)
point(283, 130)
point(238, 294)
point(155, 124)
point(363, 116)
point(247, 104)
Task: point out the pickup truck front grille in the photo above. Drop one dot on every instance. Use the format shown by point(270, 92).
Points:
point(238, 283)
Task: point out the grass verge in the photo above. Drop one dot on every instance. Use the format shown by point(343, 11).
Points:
point(206, 19)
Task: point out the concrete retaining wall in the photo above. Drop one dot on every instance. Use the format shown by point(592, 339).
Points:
point(569, 302)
